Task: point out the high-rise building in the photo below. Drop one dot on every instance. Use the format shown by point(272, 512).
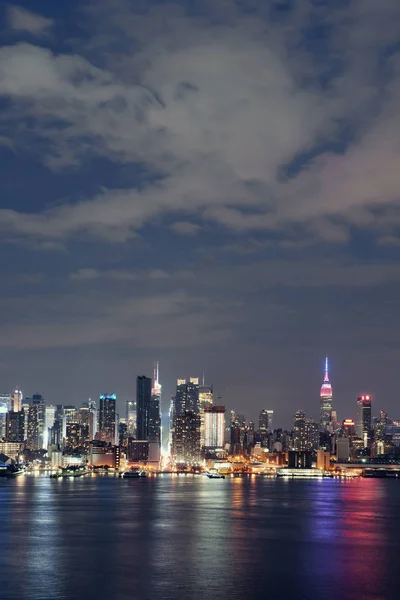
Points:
point(4, 404)
point(299, 431)
point(154, 410)
point(131, 418)
point(49, 418)
point(93, 419)
point(15, 426)
point(186, 440)
point(77, 436)
point(364, 418)
point(206, 397)
point(263, 421)
point(36, 422)
point(348, 428)
point(107, 418)
point(187, 396)
point(325, 401)
point(16, 401)
point(270, 414)
point(143, 400)
point(311, 435)
point(214, 426)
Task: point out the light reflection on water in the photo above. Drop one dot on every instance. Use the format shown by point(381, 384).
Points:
point(176, 538)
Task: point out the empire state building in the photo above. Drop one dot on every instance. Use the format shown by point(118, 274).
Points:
point(325, 400)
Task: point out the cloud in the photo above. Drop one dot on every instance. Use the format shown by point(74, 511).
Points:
point(21, 19)
point(185, 228)
point(237, 122)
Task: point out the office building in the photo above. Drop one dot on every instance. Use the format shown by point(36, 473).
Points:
point(325, 400)
point(343, 449)
point(137, 450)
point(16, 401)
point(270, 414)
point(348, 429)
point(311, 435)
point(186, 441)
point(263, 423)
point(154, 410)
point(206, 398)
point(77, 436)
point(299, 431)
point(187, 396)
point(49, 419)
point(131, 418)
point(214, 428)
point(107, 418)
point(3, 419)
point(143, 400)
point(15, 427)
point(299, 459)
point(364, 418)
point(101, 454)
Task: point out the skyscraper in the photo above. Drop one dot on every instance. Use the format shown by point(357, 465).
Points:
point(263, 421)
point(206, 397)
point(15, 426)
point(131, 418)
point(143, 399)
point(214, 426)
point(364, 418)
point(107, 419)
point(50, 416)
point(299, 431)
point(154, 413)
point(187, 396)
point(186, 438)
point(36, 422)
point(16, 401)
point(325, 401)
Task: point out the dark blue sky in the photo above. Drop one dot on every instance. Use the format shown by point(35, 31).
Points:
point(210, 184)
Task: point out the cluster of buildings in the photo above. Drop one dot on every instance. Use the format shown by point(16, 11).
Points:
point(199, 430)
point(365, 437)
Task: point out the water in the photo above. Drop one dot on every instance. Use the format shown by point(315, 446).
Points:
point(177, 538)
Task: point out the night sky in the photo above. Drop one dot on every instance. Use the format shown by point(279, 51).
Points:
point(213, 184)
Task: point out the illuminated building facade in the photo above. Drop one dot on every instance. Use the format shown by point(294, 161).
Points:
point(186, 441)
point(299, 431)
point(214, 427)
point(154, 410)
point(137, 450)
point(15, 426)
point(4, 404)
point(131, 418)
point(77, 436)
point(263, 421)
point(107, 418)
point(364, 418)
point(16, 401)
point(349, 429)
point(206, 397)
point(325, 400)
point(49, 418)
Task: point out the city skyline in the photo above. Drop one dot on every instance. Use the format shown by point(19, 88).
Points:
point(215, 219)
point(155, 387)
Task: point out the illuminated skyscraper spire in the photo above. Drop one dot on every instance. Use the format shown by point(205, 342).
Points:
point(326, 378)
point(326, 400)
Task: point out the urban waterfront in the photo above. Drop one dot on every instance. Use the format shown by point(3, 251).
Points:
point(175, 537)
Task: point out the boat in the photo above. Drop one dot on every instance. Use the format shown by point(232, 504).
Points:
point(133, 474)
point(10, 470)
point(215, 475)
